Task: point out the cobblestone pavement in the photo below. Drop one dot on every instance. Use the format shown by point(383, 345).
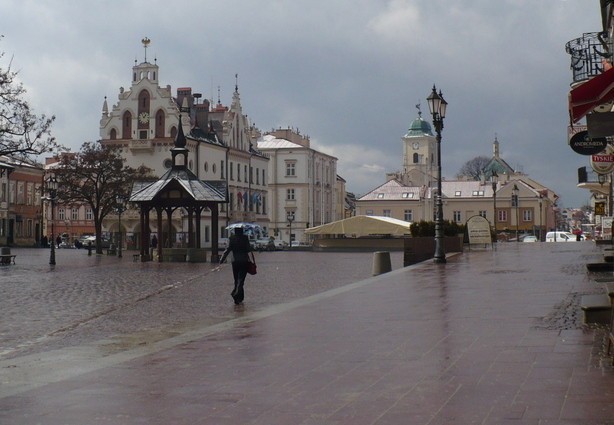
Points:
point(87, 298)
point(489, 338)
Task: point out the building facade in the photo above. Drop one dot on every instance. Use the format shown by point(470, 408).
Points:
point(143, 124)
point(410, 194)
point(303, 183)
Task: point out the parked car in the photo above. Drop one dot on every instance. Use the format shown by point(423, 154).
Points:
point(529, 238)
point(268, 244)
point(560, 237)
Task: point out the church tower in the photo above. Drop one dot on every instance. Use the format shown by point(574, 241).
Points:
point(419, 153)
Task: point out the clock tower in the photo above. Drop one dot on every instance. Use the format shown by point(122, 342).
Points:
point(419, 153)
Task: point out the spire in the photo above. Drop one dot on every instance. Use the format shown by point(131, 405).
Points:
point(495, 147)
point(237, 83)
point(105, 108)
point(180, 141)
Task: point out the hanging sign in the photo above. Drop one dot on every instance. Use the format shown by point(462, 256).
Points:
point(584, 145)
point(603, 163)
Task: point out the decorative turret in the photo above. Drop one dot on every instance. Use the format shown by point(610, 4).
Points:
point(180, 149)
point(145, 70)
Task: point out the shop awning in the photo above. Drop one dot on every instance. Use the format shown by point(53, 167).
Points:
point(587, 96)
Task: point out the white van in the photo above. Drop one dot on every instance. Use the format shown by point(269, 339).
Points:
point(560, 237)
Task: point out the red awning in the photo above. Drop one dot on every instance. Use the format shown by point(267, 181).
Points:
point(587, 96)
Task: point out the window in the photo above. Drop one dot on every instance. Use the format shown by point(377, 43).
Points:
point(74, 213)
point(20, 193)
point(89, 215)
point(501, 215)
point(30, 194)
point(61, 215)
point(369, 212)
point(245, 174)
point(206, 167)
point(416, 158)
point(380, 196)
point(457, 193)
point(263, 180)
point(257, 177)
point(482, 213)
point(386, 213)
point(407, 195)
point(231, 174)
point(290, 194)
point(527, 215)
point(407, 215)
point(457, 216)
point(238, 172)
point(213, 168)
point(477, 193)
point(222, 169)
point(168, 163)
point(291, 169)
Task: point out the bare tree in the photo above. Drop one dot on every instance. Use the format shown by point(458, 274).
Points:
point(94, 176)
point(22, 133)
point(473, 168)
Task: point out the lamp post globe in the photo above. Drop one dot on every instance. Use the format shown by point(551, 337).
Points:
point(290, 218)
point(437, 108)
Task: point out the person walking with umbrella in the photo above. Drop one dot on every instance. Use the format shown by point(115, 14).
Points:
point(240, 248)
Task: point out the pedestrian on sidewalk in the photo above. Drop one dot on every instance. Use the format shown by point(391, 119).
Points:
point(240, 248)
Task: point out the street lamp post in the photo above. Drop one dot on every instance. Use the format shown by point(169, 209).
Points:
point(541, 197)
point(290, 218)
point(515, 204)
point(120, 207)
point(494, 201)
point(52, 187)
point(437, 108)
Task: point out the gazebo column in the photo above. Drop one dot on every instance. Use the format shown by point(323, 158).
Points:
point(169, 216)
point(143, 248)
point(198, 225)
point(191, 227)
point(146, 236)
point(215, 257)
point(160, 233)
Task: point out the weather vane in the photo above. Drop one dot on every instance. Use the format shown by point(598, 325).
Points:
point(418, 108)
point(145, 42)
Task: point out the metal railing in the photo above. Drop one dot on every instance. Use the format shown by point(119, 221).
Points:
point(588, 54)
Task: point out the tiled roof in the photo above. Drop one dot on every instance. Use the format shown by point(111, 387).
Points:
point(199, 190)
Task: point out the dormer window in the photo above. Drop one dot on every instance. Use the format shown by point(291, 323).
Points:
point(477, 193)
point(380, 196)
point(457, 193)
point(407, 195)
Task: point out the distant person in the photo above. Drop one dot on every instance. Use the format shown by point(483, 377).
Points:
point(154, 242)
point(240, 248)
point(44, 242)
point(58, 241)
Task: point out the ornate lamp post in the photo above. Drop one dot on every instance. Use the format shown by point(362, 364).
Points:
point(290, 218)
point(52, 187)
point(437, 108)
point(515, 204)
point(494, 176)
point(120, 207)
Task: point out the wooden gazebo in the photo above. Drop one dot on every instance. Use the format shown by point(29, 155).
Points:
point(178, 188)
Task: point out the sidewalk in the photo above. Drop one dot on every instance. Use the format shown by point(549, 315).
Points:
point(488, 338)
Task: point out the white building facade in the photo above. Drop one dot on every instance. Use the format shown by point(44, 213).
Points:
point(302, 183)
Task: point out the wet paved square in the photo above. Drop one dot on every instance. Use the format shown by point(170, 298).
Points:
point(489, 338)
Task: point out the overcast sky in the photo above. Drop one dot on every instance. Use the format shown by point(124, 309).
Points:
point(348, 73)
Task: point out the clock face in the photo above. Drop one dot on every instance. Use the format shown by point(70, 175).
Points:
point(144, 117)
point(416, 145)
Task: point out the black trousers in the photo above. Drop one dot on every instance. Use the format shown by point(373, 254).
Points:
point(239, 271)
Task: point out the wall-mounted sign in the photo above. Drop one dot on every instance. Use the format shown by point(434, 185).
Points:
point(599, 208)
point(582, 144)
point(603, 163)
point(478, 230)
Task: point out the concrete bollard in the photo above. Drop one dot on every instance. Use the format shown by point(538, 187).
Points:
point(381, 262)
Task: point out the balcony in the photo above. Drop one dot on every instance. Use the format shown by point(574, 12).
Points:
point(589, 180)
point(141, 145)
point(588, 54)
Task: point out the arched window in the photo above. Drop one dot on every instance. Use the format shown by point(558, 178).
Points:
point(160, 123)
point(173, 132)
point(113, 134)
point(127, 125)
point(416, 158)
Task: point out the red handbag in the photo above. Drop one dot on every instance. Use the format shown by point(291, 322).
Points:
point(251, 265)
